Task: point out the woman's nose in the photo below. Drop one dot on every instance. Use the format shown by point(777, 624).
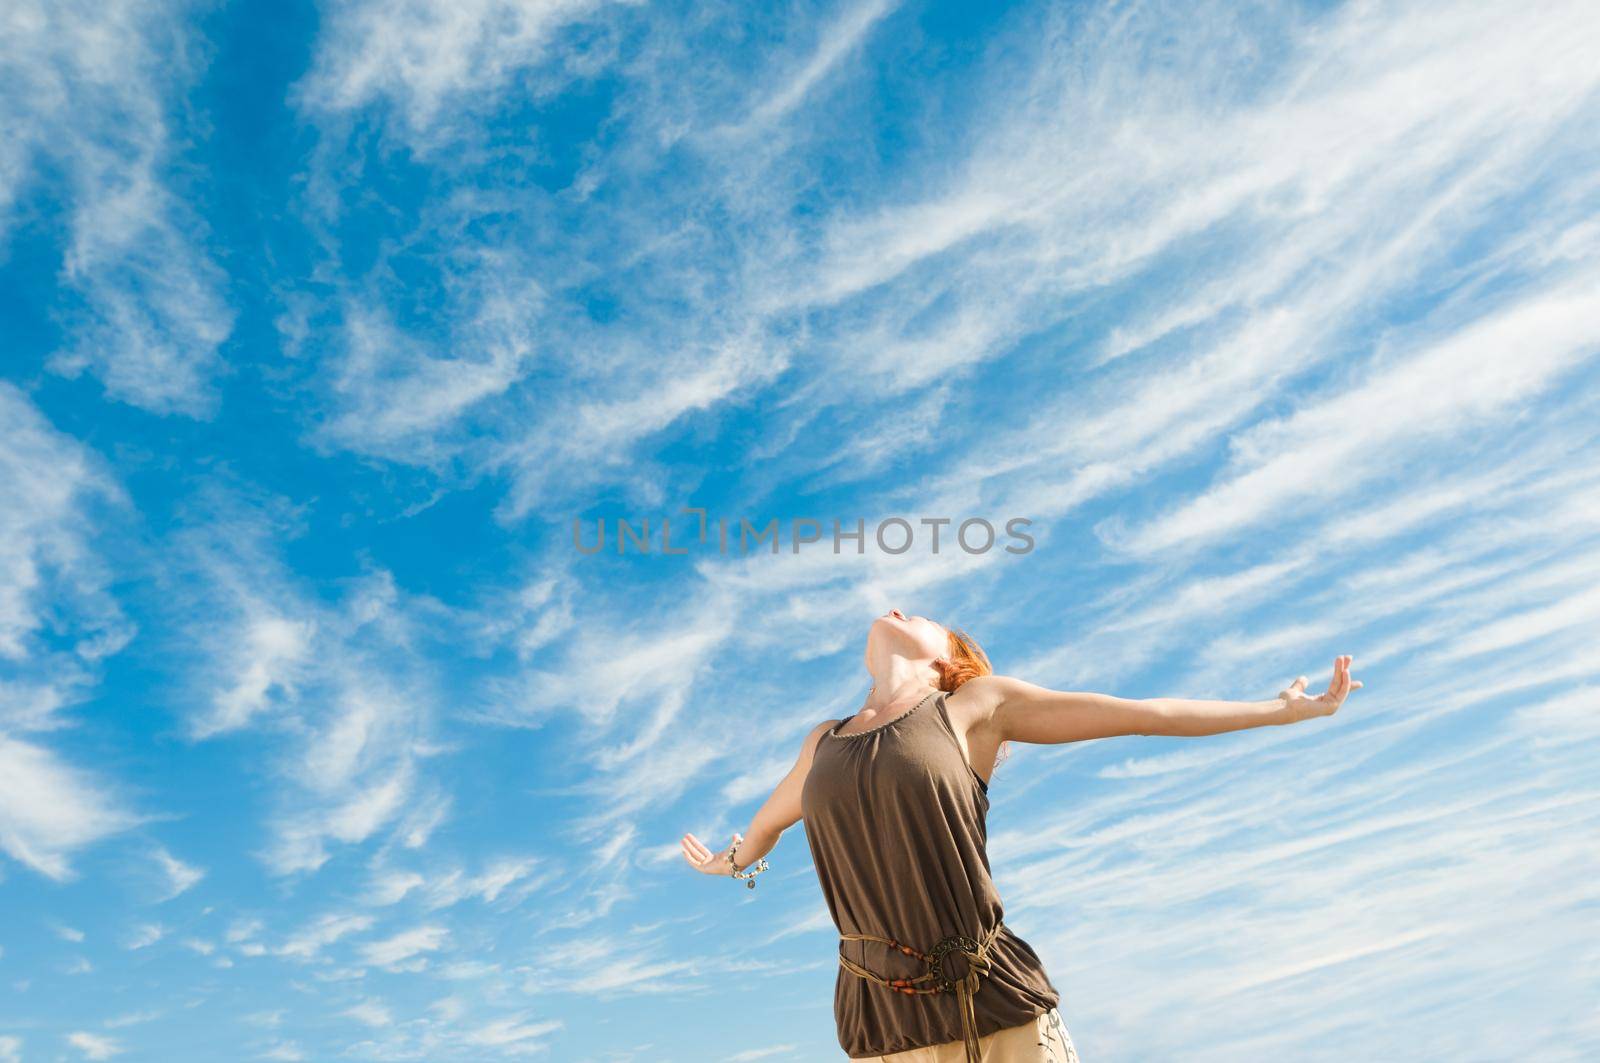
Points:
point(897, 614)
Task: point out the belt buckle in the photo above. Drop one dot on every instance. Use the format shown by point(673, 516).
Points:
point(953, 943)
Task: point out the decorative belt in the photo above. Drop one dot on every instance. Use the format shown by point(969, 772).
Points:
point(977, 954)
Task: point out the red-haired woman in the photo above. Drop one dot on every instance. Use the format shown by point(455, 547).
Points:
point(894, 799)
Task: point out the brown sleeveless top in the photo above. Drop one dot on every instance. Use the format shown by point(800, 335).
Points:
point(896, 821)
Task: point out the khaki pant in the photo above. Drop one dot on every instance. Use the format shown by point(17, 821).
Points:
point(1044, 1039)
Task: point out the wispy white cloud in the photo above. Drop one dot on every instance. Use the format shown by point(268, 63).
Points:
point(1241, 349)
point(90, 109)
point(51, 577)
point(271, 652)
point(431, 61)
point(60, 493)
point(132, 1018)
point(407, 945)
point(395, 394)
point(1450, 390)
point(145, 935)
point(749, 1055)
point(371, 1013)
point(446, 888)
point(357, 711)
point(243, 930)
point(605, 960)
point(94, 1046)
point(839, 37)
point(390, 886)
point(310, 940)
point(512, 1032)
point(180, 877)
point(456, 394)
point(49, 809)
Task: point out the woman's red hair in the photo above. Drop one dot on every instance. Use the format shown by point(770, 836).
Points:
point(965, 660)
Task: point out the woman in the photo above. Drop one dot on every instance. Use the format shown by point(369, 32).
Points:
point(895, 799)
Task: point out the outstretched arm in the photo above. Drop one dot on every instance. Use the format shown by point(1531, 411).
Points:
point(1015, 710)
point(778, 813)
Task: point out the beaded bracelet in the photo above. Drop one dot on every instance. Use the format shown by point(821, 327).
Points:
point(749, 874)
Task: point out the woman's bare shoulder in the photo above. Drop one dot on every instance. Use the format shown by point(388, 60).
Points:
point(973, 703)
point(814, 736)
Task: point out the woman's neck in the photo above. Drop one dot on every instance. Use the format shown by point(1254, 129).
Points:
point(900, 680)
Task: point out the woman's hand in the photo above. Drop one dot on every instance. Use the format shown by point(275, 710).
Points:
point(703, 859)
point(1327, 703)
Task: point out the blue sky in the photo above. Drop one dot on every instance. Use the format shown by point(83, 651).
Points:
point(322, 324)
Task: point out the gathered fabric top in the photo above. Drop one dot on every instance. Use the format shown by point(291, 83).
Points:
point(895, 818)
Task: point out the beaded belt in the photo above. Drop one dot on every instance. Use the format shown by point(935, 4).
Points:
point(977, 954)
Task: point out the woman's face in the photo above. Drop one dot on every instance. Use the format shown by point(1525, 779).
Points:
point(915, 637)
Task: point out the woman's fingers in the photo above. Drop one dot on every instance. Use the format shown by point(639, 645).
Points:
point(1341, 684)
point(694, 850)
